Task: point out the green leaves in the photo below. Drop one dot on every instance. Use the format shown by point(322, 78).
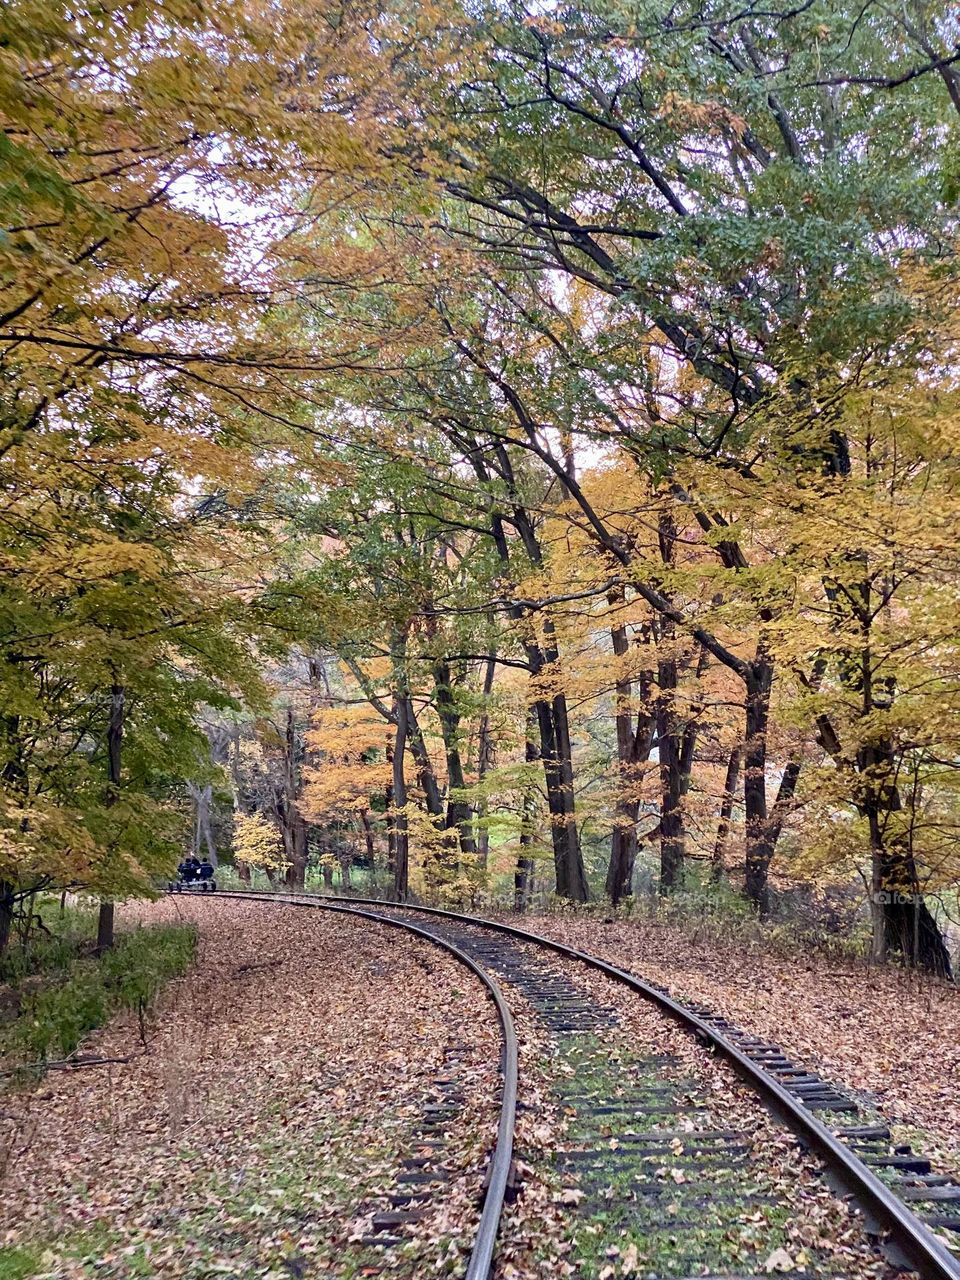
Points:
point(56, 1014)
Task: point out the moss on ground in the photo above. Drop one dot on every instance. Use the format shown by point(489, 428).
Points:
point(671, 1212)
point(17, 1263)
point(272, 1218)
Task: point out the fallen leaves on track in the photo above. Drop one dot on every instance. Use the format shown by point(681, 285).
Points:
point(888, 1034)
point(787, 1209)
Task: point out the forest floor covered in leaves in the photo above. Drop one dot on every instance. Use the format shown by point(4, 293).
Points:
point(263, 1124)
point(885, 1034)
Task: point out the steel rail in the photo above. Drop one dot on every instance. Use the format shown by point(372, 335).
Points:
point(480, 1265)
point(925, 1252)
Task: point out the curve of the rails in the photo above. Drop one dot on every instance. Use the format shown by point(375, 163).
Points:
point(480, 1264)
point(906, 1231)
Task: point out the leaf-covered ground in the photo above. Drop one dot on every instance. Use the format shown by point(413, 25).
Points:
point(285, 1079)
point(880, 1032)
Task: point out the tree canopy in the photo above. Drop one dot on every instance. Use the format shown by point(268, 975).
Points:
point(499, 449)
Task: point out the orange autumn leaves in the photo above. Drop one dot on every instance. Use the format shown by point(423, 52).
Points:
point(349, 744)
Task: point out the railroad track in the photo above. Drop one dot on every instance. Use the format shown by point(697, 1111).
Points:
point(643, 1142)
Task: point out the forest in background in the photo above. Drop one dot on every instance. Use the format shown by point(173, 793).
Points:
point(490, 449)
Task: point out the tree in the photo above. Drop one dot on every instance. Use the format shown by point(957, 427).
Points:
point(257, 844)
point(132, 372)
point(574, 383)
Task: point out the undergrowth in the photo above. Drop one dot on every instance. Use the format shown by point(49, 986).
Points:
point(56, 991)
point(49, 941)
point(711, 912)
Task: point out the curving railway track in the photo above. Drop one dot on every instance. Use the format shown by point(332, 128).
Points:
point(651, 1155)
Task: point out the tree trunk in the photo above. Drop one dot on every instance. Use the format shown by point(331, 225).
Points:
point(369, 845)
point(576, 878)
point(669, 747)
point(759, 850)
point(910, 928)
point(726, 812)
point(389, 806)
point(690, 730)
point(571, 880)
point(426, 776)
point(6, 913)
point(623, 851)
point(14, 776)
point(397, 816)
point(523, 876)
point(293, 826)
point(459, 817)
point(485, 749)
point(105, 919)
point(902, 920)
point(298, 847)
point(623, 838)
point(669, 736)
point(633, 749)
point(203, 829)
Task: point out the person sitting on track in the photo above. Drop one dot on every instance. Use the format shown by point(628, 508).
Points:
point(205, 870)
